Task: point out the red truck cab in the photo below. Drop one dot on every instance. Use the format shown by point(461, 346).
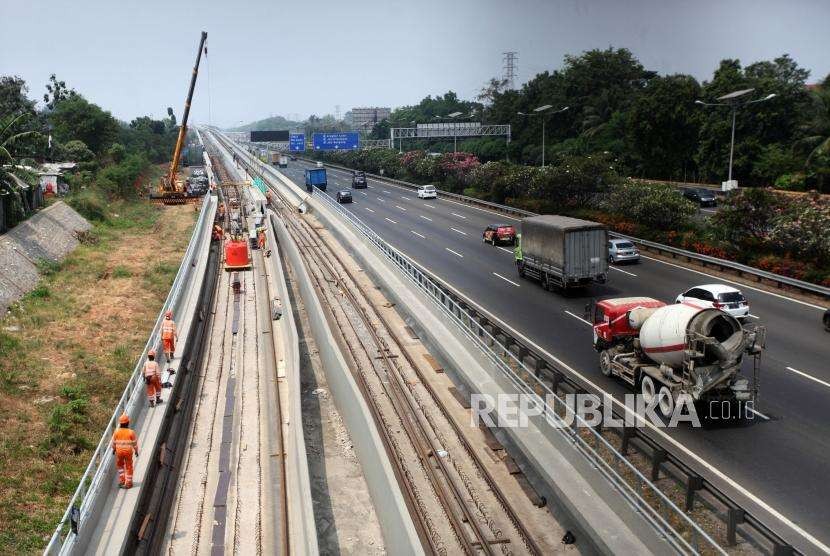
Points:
point(611, 322)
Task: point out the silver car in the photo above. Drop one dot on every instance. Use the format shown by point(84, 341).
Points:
point(622, 250)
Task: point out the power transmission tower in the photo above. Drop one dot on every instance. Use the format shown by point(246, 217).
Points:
point(337, 112)
point(509, 60)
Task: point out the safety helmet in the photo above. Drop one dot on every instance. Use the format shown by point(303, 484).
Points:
point(124, 419)
point(168, 314)
point(151, 353)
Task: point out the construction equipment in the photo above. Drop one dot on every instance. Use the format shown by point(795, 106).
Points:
point(171, 189)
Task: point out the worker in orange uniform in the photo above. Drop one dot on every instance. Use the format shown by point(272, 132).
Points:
point(169, 335)
point(218, 232)
point(261, 238)
point(152, 378)
point(124, 443)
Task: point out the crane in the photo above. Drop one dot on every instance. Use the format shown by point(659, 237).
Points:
point(171, 190)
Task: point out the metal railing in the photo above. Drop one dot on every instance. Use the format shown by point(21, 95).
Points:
point(93, 486)
point(475, 324)
point(707, 260)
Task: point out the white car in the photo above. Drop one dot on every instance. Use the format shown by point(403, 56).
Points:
point(427, 192)
point(319, 164)
point(726, 298)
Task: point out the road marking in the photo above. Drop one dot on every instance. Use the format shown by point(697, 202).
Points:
point(386, 191)
point(381, 200)
point(750, 315)
point(454, 252)
point(805, 375)
point(392, 221)
point(362, 192)
point(400, 207)
point(758, 413)
point(425, 218)
point(579, 318)
point(417, 234)
point(367, 208)
point(739, 284)
point(458, 215)
point(459, 231)
point(504, 249)
point(621, 270)
point(404, 197)
point(506, 279)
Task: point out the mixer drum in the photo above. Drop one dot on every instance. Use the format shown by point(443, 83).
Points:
point(663, 335)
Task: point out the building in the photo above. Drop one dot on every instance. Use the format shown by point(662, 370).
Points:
point(368, 117)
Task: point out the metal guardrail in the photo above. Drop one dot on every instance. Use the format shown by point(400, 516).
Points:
point(675, 252)
point(508, 363)
point(478, 324)
point(92, 490)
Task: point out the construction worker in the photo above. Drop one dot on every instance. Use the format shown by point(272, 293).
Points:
point(217, 232)
point(124, 443)
point(268, 198)
point(169, 335)
point(152, 378)
point(261, 238)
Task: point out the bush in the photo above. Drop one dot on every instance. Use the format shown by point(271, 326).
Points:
point(90, 204)
point(67, 420)
point(654, 205)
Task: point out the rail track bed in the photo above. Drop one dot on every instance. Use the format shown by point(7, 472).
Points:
point(456, 496)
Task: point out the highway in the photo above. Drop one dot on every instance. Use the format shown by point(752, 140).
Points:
point(772, 464)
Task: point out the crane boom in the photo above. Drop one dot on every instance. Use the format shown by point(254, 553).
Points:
point(174, 164)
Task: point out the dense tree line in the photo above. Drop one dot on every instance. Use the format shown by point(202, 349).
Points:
point(110, 153)
point(651, 123)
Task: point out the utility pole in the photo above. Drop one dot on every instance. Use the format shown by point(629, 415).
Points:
point(509, 76)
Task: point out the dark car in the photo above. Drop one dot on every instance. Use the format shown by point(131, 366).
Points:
point(702, 197)
point(359, 180)
point(344, 196)
point(292, 157)
point(500, 233)
point(826, 320)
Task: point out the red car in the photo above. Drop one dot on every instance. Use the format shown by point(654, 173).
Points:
point(500, 233)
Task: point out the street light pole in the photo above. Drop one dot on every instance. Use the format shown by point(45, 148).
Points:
point(543, 142)
point(540, 112)
point(732, 102)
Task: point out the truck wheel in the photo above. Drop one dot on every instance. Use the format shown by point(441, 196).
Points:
point(665, 402)
point(647, 389)
point(605, 362)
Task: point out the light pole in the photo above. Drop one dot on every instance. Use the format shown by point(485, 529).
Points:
point(542, 111)
point(732, 100)
point(454, 136)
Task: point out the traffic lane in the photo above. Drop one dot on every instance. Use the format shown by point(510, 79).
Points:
point(756, 460)
point(800, 345)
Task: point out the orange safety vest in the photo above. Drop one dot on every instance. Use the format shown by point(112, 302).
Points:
point(168, 329)
point(124, 440)
point(151, 368)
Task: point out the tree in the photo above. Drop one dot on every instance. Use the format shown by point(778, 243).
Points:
point(13, 99)
point(76, 151)
point(56, 91)
point(655, 205)
point(76, 118)
point(10, 140)
point(663, 127)
point(491, 90)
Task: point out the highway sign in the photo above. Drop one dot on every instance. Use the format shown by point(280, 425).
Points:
point(296, 142)
point(348, 140)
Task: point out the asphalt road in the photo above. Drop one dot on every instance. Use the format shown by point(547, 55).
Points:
point(773, 463)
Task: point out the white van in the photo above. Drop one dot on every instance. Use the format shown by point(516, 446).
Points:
point(427, 192)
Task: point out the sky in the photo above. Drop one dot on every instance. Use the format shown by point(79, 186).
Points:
point(299, 58)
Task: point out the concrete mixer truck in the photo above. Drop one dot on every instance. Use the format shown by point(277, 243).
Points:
point(666, 351)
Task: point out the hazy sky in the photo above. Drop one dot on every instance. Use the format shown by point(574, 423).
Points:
point(269, 57)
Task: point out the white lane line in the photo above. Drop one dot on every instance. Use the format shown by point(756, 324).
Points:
point(504, 249)
point(417, 234)
point(750, 315)
point(459, 231)
point(454, 252)
point(805, 375)
point(367, 208)
point(381, 200)
point(400, 207)
point(425, 218)
point(577, 317)
point(621, 270)
point(386, 191)
point(506, 279)
point(362, 192)
point(392, 221)
point(458, 215)
point(758, 413)
point(739, 284)
point(404, 197)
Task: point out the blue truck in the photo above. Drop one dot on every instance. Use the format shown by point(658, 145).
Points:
point(315, 177)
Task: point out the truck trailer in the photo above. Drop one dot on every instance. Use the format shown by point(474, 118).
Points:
point(666, 351)
point(562, 252)
point(315, 177)
point(283, 161)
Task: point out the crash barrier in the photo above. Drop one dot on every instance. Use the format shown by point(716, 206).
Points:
point(86, 502)
point(497, 351)
point(742, 270)
point(500, 344)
